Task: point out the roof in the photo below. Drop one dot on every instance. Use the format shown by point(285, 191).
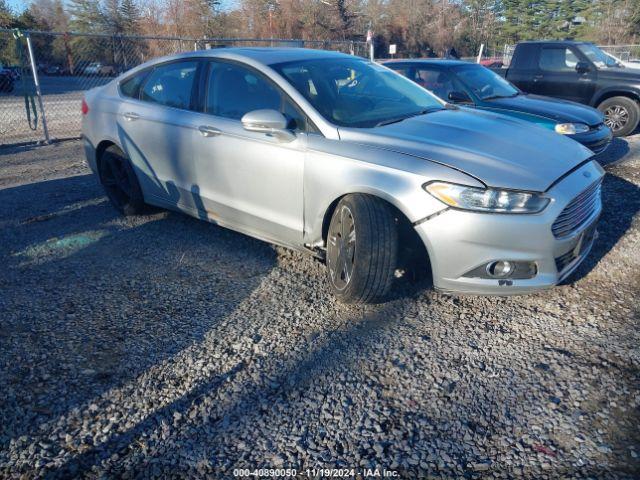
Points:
point(445, 63)
point(271, 55)
point(551, 42)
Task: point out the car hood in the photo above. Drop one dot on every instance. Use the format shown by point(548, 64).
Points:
point(561, 111)
point(499, 151)
point(616, 73)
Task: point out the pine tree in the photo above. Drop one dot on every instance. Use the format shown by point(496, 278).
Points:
point(130, 17)
point(86, 16)
point(6, 16)
point(113, 17)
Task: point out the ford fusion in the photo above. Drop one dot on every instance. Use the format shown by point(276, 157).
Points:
point(345, 159)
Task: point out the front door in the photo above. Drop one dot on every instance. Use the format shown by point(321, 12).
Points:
point(248, 180)
point(557, 75)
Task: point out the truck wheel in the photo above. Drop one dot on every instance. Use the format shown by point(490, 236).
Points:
point(362, 249)
point(120, 182)
point(621, 115)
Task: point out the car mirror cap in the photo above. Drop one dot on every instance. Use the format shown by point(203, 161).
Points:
point(270, 122)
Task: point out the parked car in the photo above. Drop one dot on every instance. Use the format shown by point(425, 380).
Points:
point(581, 72)
point(340, 157)
point(52, 70)
point(493, 62)
point(14, 71)
point(100, 69)
point(6, 81)
point(473, 85)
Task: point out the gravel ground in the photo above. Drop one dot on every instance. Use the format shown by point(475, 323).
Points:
point(163, 346)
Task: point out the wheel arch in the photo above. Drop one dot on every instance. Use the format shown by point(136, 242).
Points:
point(101, 147)
point(413, 254)
point(381, 194)
point(615, 92)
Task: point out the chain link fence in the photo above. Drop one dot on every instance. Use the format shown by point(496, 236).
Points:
point(626, 53)
point(67, 64)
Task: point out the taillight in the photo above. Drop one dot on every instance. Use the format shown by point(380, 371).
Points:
point(85, 107)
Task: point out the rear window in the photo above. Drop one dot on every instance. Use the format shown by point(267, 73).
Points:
point(171, 84)
point(131, 87)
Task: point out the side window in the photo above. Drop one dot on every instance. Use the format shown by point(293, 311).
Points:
point(436, 81)
point(557, 59)
point(171, 84)
point(233, 90)
point(402, 70)
point(131, 87)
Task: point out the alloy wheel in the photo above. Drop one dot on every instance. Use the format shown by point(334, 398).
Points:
point(616, 117)
point(341, 249)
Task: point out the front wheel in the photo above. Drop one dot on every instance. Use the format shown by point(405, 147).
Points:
point(621, 115)
point(362, 249)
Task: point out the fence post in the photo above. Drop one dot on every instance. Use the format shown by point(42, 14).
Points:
point(34, 71)
point(480, 53)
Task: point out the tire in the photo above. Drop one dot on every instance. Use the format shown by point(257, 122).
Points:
point(120, 182)
point(361, 268)
point(621, 115)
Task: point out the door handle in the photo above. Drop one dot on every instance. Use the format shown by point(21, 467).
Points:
point(537, 77)
point(130, 116)
point(207, 131)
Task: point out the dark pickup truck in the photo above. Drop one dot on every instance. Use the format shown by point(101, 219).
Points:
point(581, 72)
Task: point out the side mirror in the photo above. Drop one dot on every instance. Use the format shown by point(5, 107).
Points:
point(459, 97)
point(271, 122)
point(583, 67)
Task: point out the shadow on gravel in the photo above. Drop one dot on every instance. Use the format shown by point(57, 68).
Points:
point(91, 300)
point(302, 369)
point(620, 204)
point(618, 149)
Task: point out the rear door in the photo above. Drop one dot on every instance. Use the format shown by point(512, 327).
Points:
point(523, 68)
point(156, 128)
point(558, 77)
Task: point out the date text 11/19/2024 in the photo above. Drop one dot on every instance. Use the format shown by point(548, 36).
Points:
point(316, 472)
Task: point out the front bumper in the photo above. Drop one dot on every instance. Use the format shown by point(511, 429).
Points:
point(459, 242)
point(597, 139)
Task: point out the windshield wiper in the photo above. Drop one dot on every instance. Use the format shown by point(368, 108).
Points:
point(404, 117)
point(493, 97)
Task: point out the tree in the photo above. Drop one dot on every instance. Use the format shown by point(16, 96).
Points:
point(113, 17)
point(130, 17)
point(86, 16)
point(6, 15)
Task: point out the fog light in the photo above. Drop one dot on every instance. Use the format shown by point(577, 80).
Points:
point(500, 269)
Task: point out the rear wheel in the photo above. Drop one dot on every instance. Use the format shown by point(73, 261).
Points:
point(362, 249)
point(621, 115)
point(120, 182)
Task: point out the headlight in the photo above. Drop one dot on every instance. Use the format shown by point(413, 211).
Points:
point(571, 128)
point(487, 199)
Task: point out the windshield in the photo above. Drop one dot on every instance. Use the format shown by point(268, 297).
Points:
point(352, 92)
point(597, 56)
point(484, 83)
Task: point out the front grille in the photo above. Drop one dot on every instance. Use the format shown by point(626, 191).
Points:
point(579, 212)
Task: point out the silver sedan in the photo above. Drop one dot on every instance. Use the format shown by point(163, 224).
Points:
point(342, 158)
